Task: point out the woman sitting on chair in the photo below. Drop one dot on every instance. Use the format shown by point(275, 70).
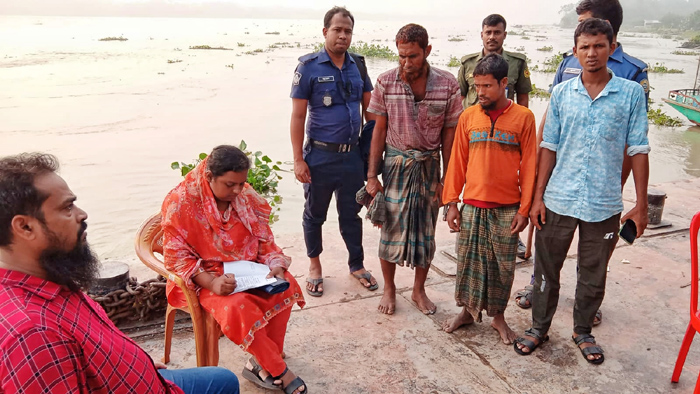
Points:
point(212, 217)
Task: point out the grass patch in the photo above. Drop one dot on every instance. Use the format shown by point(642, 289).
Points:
point(520, 49)
point(368, 50)
point(454, 62)
point(547, 48)
point(692, 43)
point(659, 118)
point(240, 44)
point(120, 38)
point(230, 66)
point(539, 93)
point(525, 37)
point(660, 68)
point(258, 50)
point(170, 61)
point(455, 39)
point(550, 64)
point(276, 33)
point(685, 53)
point(210, 48)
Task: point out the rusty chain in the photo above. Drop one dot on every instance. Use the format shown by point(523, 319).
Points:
point(136, 301)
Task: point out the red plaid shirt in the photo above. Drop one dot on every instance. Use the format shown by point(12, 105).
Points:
point(56, 341)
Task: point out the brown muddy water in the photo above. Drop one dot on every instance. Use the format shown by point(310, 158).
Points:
point(117, 113)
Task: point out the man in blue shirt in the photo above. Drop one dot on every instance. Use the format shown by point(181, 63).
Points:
point(622, 64)
point(591, 121)
point(329, 86)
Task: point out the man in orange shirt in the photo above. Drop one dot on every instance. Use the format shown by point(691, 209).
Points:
point(493, 160)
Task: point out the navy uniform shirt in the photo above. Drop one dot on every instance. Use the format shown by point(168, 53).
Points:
point(335, 97)
point(622, 64)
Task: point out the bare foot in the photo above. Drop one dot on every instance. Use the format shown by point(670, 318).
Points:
point(387, 304)
point(287, 378)
point(315, 272)
point(423, 302)
point(500, 325)
point(462, 319)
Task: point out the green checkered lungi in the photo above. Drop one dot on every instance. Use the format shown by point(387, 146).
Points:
point(410, 184)
point(485, 259)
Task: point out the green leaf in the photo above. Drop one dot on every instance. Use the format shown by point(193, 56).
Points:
point(266, 159)
point(257, 162)
point(202, 156)
point(175, 165)
point(258, 153)
point(242, 145)
point(276, 168)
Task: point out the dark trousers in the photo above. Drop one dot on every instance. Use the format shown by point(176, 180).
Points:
point(596, 243)
point(340, 174)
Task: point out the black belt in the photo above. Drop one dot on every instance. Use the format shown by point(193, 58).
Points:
point(331, 147)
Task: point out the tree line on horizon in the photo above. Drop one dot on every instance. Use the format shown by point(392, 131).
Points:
point(680, 14)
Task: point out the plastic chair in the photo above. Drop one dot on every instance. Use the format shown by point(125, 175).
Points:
point(149, 241)
point(694, 325)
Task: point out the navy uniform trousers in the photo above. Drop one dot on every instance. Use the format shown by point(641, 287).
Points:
point(339, 173)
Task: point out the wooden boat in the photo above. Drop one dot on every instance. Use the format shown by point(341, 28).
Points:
point(687, 101)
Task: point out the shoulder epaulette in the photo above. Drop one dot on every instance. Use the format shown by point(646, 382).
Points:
point(517, 55)
point(636, 62)
point(469, 56)
point(308, 57)
point(568, 53)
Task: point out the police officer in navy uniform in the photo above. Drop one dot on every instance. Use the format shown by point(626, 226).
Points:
point(622, 65)
point(330, 86)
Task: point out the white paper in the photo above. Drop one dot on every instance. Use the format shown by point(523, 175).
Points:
point(249, 274)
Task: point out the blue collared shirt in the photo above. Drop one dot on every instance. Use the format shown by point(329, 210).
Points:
point(334, 95)
point(589, 138)
point(622, 64)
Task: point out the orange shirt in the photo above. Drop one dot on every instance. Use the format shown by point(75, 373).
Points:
point(493, 161)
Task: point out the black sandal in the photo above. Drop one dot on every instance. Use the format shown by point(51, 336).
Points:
point(254, 376)
point(531, 332)
point(590, 350)
point(294, 385)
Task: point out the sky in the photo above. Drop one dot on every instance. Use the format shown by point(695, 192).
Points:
point(515, 11)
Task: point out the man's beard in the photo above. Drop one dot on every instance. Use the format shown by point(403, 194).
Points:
point(410, 77)
point(76, 269)
point(488, 107)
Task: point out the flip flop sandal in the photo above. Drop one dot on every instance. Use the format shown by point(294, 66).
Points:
point(531, 332)
point(315, 282)
point(598, 317)
point(366, 276)
point(294, 385)
point(254, 376)
point(591, 350)
point(524, 294)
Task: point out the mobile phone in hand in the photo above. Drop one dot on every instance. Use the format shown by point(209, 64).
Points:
point(628, 231)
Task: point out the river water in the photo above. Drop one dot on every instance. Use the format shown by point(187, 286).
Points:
point(117, 113)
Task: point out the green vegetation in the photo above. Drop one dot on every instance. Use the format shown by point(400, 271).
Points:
point(174, 61)
point(258, 50)
point(455, 39)
point(520, 49)
point(539, 93)
point(660, 68)
point(368, 50)
point(550, 64)
point(262, 176)
point(525, 37)
point(209, 47)
point(547, 48)
point(657, 117)
point(230, 66)
point(692, 43)
point(454, 62)
point(120, 38)
point(241, 44)
point(685, 53)
point(273, 32)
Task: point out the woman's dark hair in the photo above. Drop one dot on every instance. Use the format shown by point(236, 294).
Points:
point(593, 27)
point(337, 10)
point(412, 33)
point(18, 195)
point(225, 158)
point(609, 10)
point(493, 20)
point(492, 64)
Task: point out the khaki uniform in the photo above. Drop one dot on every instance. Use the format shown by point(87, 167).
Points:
point(518, 76)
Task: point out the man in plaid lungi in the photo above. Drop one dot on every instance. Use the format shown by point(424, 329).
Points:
point(493, 161)
point(416, 108)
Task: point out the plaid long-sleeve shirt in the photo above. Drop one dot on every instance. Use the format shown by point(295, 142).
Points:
point(53, 340)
